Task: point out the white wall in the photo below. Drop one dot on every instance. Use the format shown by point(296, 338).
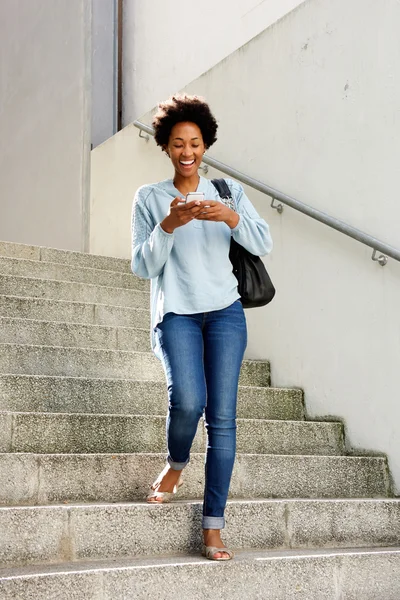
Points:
point(168, 44)
point(104, 66)
point(311, 107)
point(118, 168)
point(44, 121)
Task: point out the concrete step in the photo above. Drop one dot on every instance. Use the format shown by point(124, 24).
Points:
point(66, 257)
point(48, 479)
point(45, 534)
point(53, 333)
point(73, 312)
point(19, 267)
point(56, 433)
point(73, 291)
point(337, 574)
point(52, 360)
point(88, 362)
point(32, 393)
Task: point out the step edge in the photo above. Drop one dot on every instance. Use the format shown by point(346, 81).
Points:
point(37, 298)
point(111, 287)
point(58, 264)
point(143, 505)
point(72, 323)
point(71, 568)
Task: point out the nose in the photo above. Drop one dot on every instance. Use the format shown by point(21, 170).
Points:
point(187, 151)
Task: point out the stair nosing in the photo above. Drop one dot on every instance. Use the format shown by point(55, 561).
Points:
point(152, 416)
point(112, 287)
point(346, 457)
point(40, 298)
point(77, 348)
point(58, 264)
point(77, 567)
point(73, 323)
point(141, 381)
point(194, 502)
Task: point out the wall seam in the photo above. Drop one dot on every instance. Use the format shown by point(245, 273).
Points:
point(86, 122)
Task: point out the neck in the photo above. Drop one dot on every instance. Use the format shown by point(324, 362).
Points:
point(186, 184)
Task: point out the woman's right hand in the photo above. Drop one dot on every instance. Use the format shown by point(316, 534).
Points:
point(180, 214)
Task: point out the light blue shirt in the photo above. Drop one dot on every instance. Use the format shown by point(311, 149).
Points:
point(190, 270)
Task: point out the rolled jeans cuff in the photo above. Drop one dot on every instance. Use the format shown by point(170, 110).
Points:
point(213, 522)
point(176, 466)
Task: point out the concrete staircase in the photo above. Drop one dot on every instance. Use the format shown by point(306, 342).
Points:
point(82, 417)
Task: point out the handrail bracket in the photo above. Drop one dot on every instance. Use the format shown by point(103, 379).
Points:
point(382, 259)
point(278, 207)
point(144, 136)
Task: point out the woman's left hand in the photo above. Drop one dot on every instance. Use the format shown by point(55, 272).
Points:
point(217, 211)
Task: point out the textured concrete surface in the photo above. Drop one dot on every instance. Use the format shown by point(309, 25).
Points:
point(6, 420)
point(121, 316)
point(92, 362)
point(364, 523)
point(52, 534)
point(73, 291)
point(14, 250)
point(48, 333)
point(77, 362)
point(74, 586)
point(272, 403)
point(49, 479)
point(18, 267)
point(31, 535)
point(85, 433)
point(76, 312)
point(41, 393)
point(262, 575)
point(66, 257)
point(81, 259)
point(57, 433)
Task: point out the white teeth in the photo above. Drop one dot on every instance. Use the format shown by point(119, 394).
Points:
point(186, 162)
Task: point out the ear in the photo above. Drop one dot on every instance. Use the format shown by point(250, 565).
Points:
point(165, 149)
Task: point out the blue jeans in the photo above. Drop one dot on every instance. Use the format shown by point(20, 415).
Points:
point(202, 355)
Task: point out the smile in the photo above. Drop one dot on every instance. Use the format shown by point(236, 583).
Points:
point(187, 163)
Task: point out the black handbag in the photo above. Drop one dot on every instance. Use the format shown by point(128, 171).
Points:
point(254, 284)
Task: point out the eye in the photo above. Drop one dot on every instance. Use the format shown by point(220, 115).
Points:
point(196, 146)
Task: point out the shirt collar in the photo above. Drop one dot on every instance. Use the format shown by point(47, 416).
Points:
point(169, 187)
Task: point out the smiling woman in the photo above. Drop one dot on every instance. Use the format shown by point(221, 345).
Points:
point(198, 324)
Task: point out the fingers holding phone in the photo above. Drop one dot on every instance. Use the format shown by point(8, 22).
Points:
point(181, 213)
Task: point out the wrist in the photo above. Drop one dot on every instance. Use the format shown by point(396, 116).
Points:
point(166, 226)
point(233, 220)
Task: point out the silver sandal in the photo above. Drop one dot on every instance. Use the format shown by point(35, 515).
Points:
point(163, 497)
point(210, 552)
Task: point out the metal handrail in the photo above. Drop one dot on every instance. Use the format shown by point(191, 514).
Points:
point(318, 215)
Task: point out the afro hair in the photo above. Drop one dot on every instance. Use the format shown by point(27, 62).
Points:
point(183, 107)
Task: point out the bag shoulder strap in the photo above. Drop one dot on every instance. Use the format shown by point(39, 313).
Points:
point(224, 192)
point(222, 188)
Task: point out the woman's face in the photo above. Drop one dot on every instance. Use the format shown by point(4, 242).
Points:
point(185, 148)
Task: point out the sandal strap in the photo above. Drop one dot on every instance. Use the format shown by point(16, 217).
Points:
point(211, 551)
point(156, 494)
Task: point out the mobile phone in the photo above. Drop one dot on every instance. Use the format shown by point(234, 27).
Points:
point(194, 196)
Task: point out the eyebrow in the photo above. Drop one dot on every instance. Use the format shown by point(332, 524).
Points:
point(179, 138)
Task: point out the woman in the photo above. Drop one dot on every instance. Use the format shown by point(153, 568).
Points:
point(198, 324)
